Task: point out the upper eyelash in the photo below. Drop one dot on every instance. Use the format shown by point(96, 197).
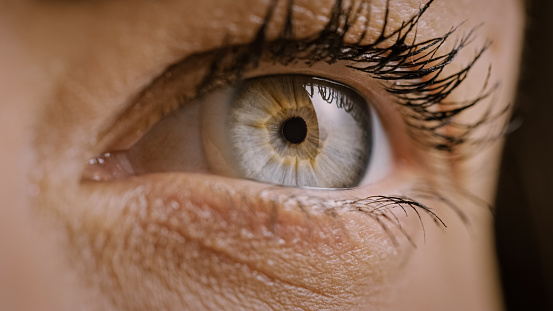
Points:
point(416, 68)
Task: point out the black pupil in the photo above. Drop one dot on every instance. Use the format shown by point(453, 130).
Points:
point(294, 130)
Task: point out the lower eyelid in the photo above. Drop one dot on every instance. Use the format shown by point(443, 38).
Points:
point(247, 224)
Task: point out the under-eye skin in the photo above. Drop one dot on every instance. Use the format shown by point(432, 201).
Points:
point(419, 86)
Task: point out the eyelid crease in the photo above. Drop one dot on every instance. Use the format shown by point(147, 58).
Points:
point(138, 117)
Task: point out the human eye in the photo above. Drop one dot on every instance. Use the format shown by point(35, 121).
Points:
point(248, 118)
point(306, 161)
point(291, 130)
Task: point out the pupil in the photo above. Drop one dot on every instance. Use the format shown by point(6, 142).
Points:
point(294, 130)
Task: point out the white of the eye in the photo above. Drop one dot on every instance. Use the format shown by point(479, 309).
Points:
point(381, 161)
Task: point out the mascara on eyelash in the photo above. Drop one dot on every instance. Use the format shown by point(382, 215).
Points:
point(416, 67)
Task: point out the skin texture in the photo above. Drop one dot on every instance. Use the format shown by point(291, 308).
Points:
point(183, 241)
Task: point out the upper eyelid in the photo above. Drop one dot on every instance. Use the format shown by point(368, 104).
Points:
point(385, 62)
point(131, 112)
point(418, 65)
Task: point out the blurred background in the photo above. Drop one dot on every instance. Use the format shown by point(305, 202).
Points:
point(524, 219)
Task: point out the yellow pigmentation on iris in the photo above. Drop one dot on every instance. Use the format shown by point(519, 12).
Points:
point(300, 131)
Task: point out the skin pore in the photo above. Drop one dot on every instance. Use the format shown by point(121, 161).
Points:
point(173, 240)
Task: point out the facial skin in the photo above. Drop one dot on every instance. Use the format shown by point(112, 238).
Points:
point(197, 241)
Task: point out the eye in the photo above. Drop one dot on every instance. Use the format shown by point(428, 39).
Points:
point(291, 130)
point(299, 131)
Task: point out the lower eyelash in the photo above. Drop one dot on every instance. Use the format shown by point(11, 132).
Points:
point(380, 208)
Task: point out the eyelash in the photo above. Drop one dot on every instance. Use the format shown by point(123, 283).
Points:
point(420, 85)
point(418, 73)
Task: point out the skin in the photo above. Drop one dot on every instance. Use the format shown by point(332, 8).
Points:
point(183, 241)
